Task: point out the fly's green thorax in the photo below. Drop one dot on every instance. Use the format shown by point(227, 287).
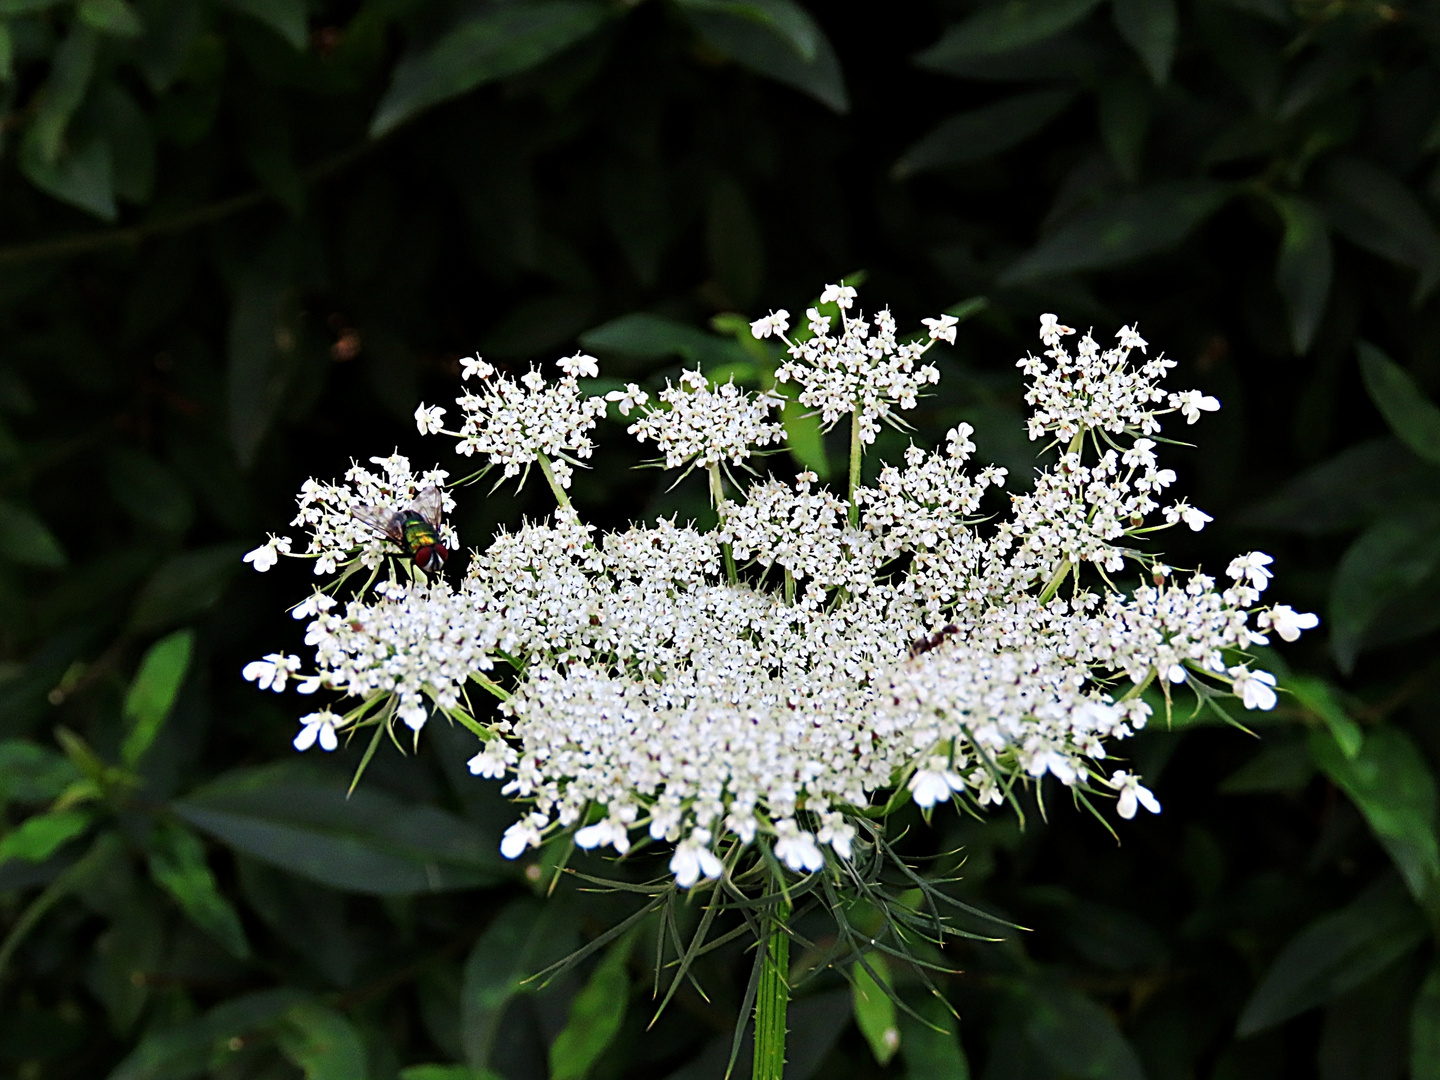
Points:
point(418, 532)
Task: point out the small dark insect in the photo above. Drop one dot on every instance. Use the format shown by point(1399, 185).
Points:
point(416, 529)
point(920, 646)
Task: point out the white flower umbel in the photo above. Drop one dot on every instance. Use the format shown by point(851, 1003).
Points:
point(774, 683)
point(705, 427)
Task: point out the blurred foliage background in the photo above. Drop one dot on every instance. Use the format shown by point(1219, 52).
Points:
point(240, 240)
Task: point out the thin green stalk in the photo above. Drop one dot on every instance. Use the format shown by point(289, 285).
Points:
point(1053, 585)
point(549, 474)
point(857, 450)
point(717, 496)
point(771, 1001)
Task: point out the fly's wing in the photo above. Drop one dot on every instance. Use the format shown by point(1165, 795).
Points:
point(381, 520)
point(429, 503)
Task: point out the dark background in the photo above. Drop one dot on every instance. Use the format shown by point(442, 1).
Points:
point(240, 241)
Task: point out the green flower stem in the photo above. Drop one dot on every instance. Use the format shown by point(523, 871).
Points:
point(771, 1001)
point(1053, 585)
point(549, 473)
point(857, 451)
point(717, 496)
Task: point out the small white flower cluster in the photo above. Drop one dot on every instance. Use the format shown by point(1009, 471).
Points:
point(339, 517)
point(704, 426)
point(760, 683)
point(864, 372)
point(513, 423)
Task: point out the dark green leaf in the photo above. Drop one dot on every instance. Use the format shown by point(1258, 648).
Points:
point(526, 937)
point(152, 693)
point(1126, 102)
point(1389, 560)
point(1143, 223)
point(1077, 1036)
point(286, 17)
point(875, 1012)
point(307, 917)
point(132, 143)
point(1373, 209)
point(734, 244)
point(595, 1016)
point(1425, 1028)
point(983, 132)
point(261, 348)
point(501, 41)
point(447, 1072)
point(188, 1049)
point(24, 539)
point(37, 838)
point(62, 94)
point(177, 863)
point(1008, 25)
point(1065, 58)
point(929, 1052)
point(185, 586)
point(369, 843)
point(1150, 27)
point(1333, 954)
point(1411, 415)
point(1351, 490)
point(1318, 697)
point(1303, 269)
point(654, 337)
point(151, 493)
point(125, 956)
point(1279, 766)
point(323, 1043)
point(110, 17)
point(1390, 783)
point(776, 38)
point(1365, 1029)
point(81, 174)
point(31, 773)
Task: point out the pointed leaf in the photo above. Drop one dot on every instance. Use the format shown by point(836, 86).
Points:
point(114, 17)
point(1011, 24)
point(31, 773)
point(1338, 951)
point(24, 538)
point(1077, 1036)
point(983, 132)
point(525, 938)
point(875, 1013)
point(260, 349)
point(1142, 223)
point(929, 1052)
point(1303, 269)
point(1411, 415)
point(37, 838)
point(1391, 785)
point(323, 1043)
point(185, 586)
point(777, 39)
point(1353, 489)
point(1375, 210)
point(595, 1016)
point(369, 843)
point(644, 336)
point(1387, 563)
point(153, 692)
point(1150, 27)
point(1425, 1028)
point(286, 17)
point(502, 40)
point(177, 863)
